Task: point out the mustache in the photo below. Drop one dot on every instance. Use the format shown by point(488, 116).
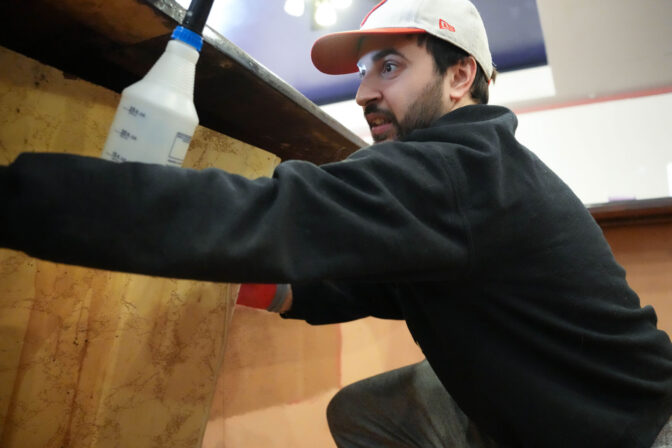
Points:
point(374, 109)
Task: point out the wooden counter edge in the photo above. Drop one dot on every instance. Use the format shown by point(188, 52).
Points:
point(632, 212)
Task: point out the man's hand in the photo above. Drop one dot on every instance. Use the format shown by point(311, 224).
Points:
point(270, 297)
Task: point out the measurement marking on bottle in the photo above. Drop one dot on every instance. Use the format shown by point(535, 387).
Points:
point(116, 157)
point(123, 133)
point(135, 112)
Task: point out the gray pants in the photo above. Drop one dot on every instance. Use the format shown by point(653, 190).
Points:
point(408, 407)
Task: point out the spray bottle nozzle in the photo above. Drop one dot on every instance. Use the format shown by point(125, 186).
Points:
point(197, 15)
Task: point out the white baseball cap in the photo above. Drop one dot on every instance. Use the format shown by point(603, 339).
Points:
point(455, 21)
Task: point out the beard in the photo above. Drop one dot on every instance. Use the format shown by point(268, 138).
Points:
point(426, 108)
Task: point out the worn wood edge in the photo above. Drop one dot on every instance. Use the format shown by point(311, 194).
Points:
point(221, 43)
point(227, 47)
point(632, 212)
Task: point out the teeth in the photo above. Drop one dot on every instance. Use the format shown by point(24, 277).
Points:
point(377, 122)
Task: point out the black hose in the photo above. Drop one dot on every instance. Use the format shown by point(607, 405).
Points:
point(197, 15)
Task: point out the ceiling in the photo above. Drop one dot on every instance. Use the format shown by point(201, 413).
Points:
point(282, 43)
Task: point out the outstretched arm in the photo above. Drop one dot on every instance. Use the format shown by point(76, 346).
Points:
point(361, 219)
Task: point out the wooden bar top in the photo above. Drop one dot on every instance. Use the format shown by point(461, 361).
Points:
point(114, 43)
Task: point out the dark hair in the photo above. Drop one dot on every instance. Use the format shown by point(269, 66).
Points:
point(446, 55)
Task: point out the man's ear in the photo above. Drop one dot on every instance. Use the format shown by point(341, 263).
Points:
point(460, 78)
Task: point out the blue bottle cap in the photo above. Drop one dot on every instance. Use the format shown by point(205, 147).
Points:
point(188, 37)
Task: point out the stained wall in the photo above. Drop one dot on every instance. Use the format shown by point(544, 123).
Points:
point(95, 358)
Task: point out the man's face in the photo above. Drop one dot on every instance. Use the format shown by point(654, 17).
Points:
point(400, 90)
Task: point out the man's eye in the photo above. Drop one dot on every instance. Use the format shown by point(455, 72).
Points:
point(389, 67)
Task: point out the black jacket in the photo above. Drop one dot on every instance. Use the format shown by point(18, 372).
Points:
point(501, 274)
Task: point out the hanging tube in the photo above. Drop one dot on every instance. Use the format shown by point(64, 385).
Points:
point(197, 15)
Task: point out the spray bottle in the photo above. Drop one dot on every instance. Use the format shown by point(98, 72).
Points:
point(156, 117)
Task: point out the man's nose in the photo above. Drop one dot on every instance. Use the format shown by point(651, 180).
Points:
point(367, 92)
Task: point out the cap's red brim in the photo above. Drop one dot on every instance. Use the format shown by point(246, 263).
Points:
point(338, 53)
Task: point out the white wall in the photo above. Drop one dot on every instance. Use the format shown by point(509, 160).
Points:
point(606, 150)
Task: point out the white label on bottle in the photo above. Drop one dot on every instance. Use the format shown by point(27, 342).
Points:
point(178, 151)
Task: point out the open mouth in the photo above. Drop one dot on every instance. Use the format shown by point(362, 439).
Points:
point(378, 122)
point(381, 126)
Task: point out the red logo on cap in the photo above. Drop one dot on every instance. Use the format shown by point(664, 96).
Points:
point(446, 26)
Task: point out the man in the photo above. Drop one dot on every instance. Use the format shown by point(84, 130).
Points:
point(532, 336)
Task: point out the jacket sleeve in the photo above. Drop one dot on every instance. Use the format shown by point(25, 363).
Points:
point(329, 302)
point(363, 218)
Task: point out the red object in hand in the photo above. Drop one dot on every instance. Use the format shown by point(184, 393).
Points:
point(257, 295)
